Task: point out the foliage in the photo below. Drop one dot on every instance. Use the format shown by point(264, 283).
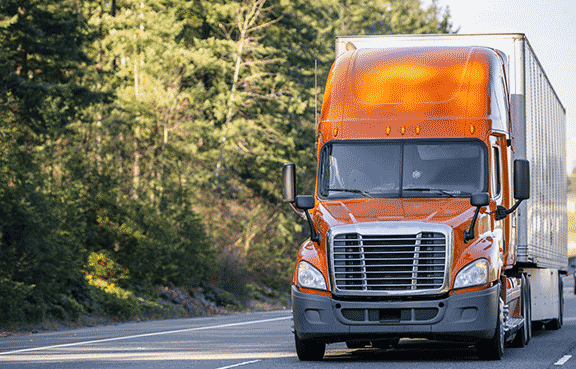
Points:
point(112, 300)
point(101, 266)
point(141, 143)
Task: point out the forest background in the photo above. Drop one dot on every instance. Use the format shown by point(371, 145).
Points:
point(142, 141)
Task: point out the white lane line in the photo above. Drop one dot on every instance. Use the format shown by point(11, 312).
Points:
point(235, 365)
point(563, 360)
point(146, 335)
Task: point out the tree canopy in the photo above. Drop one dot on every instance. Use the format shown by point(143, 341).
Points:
point(148, 136)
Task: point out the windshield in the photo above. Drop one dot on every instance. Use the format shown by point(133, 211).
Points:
point(402, 169)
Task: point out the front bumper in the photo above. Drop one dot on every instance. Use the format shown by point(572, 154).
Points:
point(470, 316)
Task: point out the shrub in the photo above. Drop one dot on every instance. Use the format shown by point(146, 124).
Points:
point(13, 300)
point(102, 266)
point(113, 300)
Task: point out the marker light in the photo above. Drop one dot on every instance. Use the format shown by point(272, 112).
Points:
point(403, 129)
point(335, 131)
point(417, 130)
point(472, 129)
point(388, 130)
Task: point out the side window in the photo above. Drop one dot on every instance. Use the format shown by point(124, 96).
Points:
point(502, 100)
point(499, 101)
point(495, 105)
point(496, 173)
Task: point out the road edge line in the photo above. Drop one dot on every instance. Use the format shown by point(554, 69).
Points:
point(145, 335)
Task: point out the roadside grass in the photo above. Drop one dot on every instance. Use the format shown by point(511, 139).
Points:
point(106, 297)
point(110, 304)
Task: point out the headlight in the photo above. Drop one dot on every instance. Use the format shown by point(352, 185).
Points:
point(473, 274)
point(310, 277)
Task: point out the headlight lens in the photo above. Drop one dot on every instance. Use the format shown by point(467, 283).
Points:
point(310, 277)
point(474, 274)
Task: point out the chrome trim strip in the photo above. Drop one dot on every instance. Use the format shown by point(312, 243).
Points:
point(389, 228)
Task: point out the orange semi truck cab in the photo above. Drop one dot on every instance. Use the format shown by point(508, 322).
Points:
point(431, 150)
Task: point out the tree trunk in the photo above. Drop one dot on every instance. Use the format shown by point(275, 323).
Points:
point(246, 18)
point(136, 169)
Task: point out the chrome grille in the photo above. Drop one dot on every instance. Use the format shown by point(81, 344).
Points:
point(389, 263)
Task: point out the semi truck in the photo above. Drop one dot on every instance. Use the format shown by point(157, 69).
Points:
point(439, 209)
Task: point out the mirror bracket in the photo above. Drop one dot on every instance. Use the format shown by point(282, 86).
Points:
point(469, 233)
point(306, 203)
point(314, 235)
point(478, 200)
point(502, 212)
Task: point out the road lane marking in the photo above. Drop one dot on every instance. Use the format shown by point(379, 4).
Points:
point(126, 355)
point(146, 335)
point(240, 364)
point(563, 360)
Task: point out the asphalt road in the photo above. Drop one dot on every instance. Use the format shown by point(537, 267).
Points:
point(263, 340)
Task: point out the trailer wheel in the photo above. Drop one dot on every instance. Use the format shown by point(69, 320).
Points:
point(493, 348)
point(556, 324)
point(309, 350)
point(525, 333)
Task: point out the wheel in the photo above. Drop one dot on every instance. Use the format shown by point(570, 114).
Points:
point(525, 333)
point(309, 350)
point(556, 324)
point(493, 348)
point(386, 343)
point(355, 344)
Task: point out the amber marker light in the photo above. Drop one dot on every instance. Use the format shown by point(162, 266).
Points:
point(472, 129)
point(417, 130)
point(388, 130)
point(335, 131)
point(403, 129)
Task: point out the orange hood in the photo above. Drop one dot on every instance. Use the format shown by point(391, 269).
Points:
point(451, 211)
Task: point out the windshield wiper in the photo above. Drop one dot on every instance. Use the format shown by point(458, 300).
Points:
point(353, 190)
point(437, 190)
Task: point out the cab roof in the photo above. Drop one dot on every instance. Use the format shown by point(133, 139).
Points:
point(411, 82)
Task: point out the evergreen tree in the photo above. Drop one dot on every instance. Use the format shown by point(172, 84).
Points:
point(41, 241)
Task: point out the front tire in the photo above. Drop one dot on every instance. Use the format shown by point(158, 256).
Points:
point(309, 350)
point(493, 348)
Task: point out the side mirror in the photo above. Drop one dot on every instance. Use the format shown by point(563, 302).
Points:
point(521, 187)
point(305, 202)
point(289, 182)
point(478, 200)
point(521, 179)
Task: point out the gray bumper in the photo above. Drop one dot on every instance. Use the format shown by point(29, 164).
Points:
point(469, 316)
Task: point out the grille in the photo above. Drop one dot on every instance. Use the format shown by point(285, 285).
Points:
point(388, 263)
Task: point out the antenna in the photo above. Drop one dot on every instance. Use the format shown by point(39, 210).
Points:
point(316, 98)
